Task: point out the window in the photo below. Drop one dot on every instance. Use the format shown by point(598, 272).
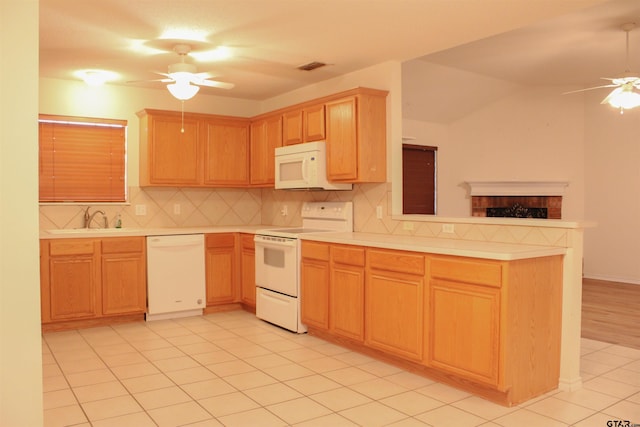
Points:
point(82, 159)
point(418, 179)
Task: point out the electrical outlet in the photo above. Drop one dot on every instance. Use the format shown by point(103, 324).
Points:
point(448, 228)
point(379, 212)
point(141, 210)
point(284, 211)
point(176, 208)
point(407, 225)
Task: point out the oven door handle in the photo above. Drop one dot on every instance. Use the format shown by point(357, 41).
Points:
point(276, 245)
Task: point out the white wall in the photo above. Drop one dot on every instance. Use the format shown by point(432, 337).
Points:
point(612, 164)
point(20, 343)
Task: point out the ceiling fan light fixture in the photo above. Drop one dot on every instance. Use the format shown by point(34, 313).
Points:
point(183, 90)
point(624, 97)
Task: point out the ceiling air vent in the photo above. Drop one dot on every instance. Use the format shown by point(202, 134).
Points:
point(311, 66)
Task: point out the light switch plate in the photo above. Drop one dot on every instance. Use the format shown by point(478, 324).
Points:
point(141, 210)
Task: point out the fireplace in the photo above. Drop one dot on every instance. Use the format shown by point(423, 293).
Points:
point(541, 200)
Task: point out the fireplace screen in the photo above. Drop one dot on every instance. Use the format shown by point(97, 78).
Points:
point(517, 211)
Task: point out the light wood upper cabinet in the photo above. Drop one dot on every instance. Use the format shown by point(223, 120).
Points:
point(305, 124)
point(124, 273)
point(221, 264)
point(266, 136)
point(226, 152)
point(356, 137)
point(212, 151)
point(169, 156)
point(247, 270)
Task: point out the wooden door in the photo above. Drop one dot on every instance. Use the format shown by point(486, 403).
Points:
point(173, 155)
point(314, 292)
point(124, 275)
point(463, 326)
point(347, 292)
point(226, 152)
point(74, 279)
point(418, 179)
point(342, 147)
point(220, 264)
point(248, 270)
point(266, 136)
point(394, 302)
point(314, 123)
point(292, 127)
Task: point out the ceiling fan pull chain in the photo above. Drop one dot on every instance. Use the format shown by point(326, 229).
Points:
point(182, 117)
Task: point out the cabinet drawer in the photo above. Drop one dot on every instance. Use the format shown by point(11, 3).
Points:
point(117, 245)
point(349, 255)
point(400, 261)
point(223, 240)
point(467, 271)
point(71, 247)
point(315, 250)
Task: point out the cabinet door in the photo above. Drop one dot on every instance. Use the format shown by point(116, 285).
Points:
point(172, 154)
point(314, 123)
point(266, 136)
point(464, 329)
point(226, 153)
point(221, 268)
point(292, 127)
point(314, 292)
point(346, 300)
point(248, 270)
point(342, 147)
point(74, 279)
point(124, 275)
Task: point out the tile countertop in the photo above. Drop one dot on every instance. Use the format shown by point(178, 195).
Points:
point(466, 248)
point(68, 233)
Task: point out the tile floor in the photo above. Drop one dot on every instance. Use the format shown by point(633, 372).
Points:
point(232, 369)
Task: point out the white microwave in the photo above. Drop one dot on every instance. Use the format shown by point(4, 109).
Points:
point(304, 167)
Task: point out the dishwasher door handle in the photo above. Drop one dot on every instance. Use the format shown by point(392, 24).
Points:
point(187, 240)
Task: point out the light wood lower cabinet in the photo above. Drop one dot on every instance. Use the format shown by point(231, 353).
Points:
point(490, 327)
point(394, 302)
point(221, 264)
point(83, 279)
point(314, 287)
point(124, 273)
point(247, 270)
point(346, 291)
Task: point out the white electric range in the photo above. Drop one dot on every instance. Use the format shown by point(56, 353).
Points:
point(278, 261)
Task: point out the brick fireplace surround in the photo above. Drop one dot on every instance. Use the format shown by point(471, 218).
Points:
point(524, 197)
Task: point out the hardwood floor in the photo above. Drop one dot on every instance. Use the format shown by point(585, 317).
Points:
point(611, 312)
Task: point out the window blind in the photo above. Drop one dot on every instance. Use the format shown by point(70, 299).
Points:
point(82, 160)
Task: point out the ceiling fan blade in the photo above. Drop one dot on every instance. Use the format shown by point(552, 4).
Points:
point(589, 88)
point(153, 80)
point(213, 83)
point(613, 93)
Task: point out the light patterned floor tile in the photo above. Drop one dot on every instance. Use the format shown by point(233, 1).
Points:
point(175, 363)
point(109, 408)
point(226, 404)
point(561, 410)
point(136, 370)
point(288, 372)
point(203, 389)
point(446, 415)
point(340, 398)
point(411, 403)
point(64, 416)
point(378, 388)
point(181, 414)
point(587, 398)
point(147, 383)
point(58, 398)
point(373, 414)
point(139, 419)
point(350, 376)
point(249, 380)
point(524, 417)
point(312, 384)
point(611, 387)
point(443, 393)
point(231, 367)
point(191, 375)
point(99, 391)
point(161, 397)
point(625, 410)
point(272, 393)
point(333, 420)
point(298, 410)
point(255, 417)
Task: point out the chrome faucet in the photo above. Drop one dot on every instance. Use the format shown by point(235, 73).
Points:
point(88, 218)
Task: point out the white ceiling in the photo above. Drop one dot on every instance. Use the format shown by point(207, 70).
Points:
point(270, 38)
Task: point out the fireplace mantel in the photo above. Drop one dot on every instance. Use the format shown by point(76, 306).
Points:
point(517, 188)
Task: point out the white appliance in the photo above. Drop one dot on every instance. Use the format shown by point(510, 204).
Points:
point(278, 262)
point(175, 276)
point(304, 167)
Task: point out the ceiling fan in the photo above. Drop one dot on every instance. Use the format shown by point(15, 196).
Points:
point(626, 94)
point(183, 78)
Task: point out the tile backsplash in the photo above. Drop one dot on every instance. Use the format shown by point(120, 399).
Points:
point(201, 207)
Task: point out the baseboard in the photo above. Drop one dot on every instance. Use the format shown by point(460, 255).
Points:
point(611, 279)
point(566, 384)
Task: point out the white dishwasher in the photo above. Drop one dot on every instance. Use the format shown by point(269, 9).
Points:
point(175, 276)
